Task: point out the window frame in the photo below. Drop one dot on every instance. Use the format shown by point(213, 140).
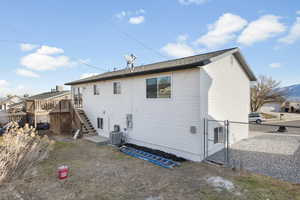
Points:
point(220, 139)
point(158, 77)
point(100, 123)
point(120, 88)
point(96, 89)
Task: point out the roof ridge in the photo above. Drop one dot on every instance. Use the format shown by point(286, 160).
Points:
point(175, 63)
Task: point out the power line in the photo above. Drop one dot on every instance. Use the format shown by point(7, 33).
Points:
point(126, 34)
point(137, 40)
point(73, 58)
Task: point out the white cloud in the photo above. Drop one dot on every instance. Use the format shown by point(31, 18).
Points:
point(44, 59)
point(182, 38)
point(28, 47)
point(136, 20)
point(275, 65)
point(47, 50)
point(140, 11)
point(222, 31)
point(86, 75)
point(6, 89)
point(129, 13)
point(27, 73)
point(178, 50)
point(3, 83)
point(294, 33)
point(121, 14)
point(298, 12)
point(188, 2)
point(261, 29)
point(18, 90)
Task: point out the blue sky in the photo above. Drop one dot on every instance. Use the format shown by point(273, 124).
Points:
point(44, 43)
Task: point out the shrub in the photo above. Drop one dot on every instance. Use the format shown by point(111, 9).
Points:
point(20, 150)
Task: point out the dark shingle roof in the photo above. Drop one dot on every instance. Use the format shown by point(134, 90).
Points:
point(170, 65)
point(47, 95)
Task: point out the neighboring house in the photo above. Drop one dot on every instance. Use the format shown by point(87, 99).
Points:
point(271, 107)
point(17, 107)
point(6, 102)
point(163, 105)
point(291, 106)
point(39, 106)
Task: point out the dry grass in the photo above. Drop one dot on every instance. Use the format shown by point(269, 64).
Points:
point(263, 187)
point(102, 172)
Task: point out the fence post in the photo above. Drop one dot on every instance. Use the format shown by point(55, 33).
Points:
point(204, 143)
point(227, 142)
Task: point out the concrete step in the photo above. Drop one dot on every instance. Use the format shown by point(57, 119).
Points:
point(99, 140)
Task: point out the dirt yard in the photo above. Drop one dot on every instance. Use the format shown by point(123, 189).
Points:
point(103, 173)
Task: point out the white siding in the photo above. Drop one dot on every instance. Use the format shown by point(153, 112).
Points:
point(219, 91)
point(225, 95)
point(157, 123)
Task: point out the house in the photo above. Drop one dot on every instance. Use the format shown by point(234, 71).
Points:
point(163, 105)
point(6, 102)
point(39, 106)
point(272, 107)
point(290, 106)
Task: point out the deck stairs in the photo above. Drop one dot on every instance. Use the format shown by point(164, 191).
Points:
point(88, 128)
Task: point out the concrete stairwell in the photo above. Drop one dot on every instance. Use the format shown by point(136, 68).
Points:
point(87, 129)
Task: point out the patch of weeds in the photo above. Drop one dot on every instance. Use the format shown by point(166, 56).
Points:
point(62, 145)
point(1, 140)
point(263, 187)
point(210, 193)
point(116, 154)
point(48, 167)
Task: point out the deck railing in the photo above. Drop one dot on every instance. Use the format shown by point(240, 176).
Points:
point(67, 106)
point(47, 105)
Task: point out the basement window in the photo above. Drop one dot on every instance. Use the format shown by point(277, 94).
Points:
point(158, 87)
point(96, 90)
point(218, 135)
point(117, 88)
point(100, 123)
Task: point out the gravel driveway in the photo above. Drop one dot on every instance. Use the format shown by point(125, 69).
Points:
point(276, 155)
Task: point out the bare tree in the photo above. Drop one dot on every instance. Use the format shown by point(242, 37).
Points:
point(265, 90)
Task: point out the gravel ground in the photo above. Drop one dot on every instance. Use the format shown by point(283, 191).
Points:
point(276, 155)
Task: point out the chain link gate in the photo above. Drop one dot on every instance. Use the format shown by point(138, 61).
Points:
point(216, 141)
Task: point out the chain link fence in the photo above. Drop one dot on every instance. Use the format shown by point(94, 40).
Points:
point(271, 149)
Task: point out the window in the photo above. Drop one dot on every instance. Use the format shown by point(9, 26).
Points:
point(96, 90)
point(117, 88)
point(129, 121)
point(219, 135)
point(254, 115)
point(100, 123)
point(158, 87)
